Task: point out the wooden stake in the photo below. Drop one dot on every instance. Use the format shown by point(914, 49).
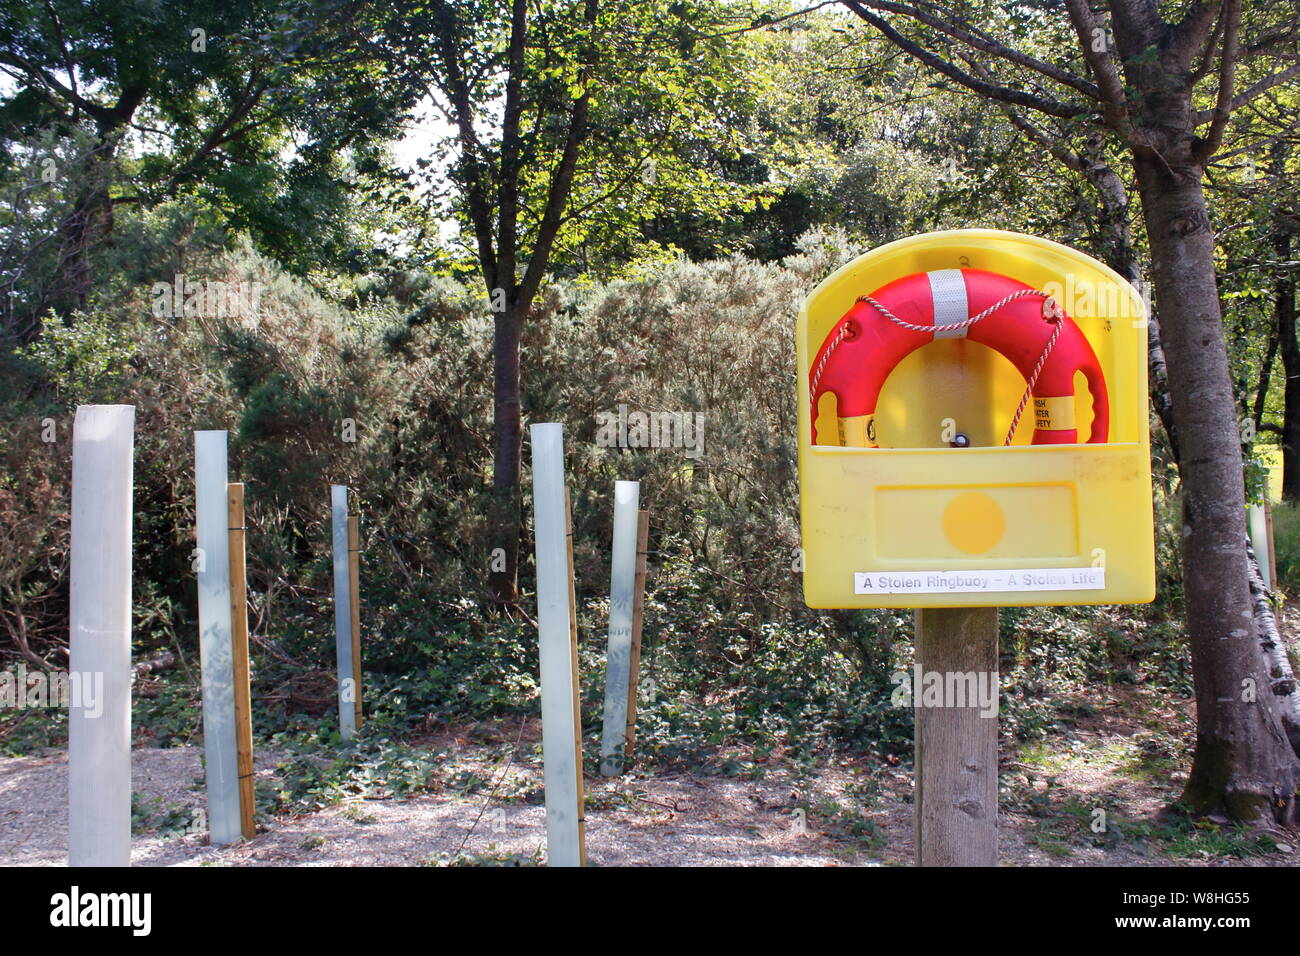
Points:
point(956, 747)
point(577, 708)
point(638, 609)
point(354, 588)
point(239, 652)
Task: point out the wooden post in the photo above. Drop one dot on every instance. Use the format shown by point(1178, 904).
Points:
point(343, 612)
point(638, 610)
point(212, 521)
point(618, 653)
point(99, 637)
point(354, 600)
point(556, 623)
point(239, 653)
point(956, 746)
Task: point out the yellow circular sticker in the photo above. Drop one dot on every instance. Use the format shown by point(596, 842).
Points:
point(974, 522)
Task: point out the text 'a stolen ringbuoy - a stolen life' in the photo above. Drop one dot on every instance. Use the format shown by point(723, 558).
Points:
point(965, 582)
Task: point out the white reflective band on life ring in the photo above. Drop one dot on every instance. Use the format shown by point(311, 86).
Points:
point(948, 290)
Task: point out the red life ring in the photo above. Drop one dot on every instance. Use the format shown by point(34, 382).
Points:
point(865, 346)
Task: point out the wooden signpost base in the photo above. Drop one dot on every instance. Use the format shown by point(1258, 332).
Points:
point(956, 747)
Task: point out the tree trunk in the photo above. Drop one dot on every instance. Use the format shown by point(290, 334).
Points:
point(507, 434)
point(86, 227)
point(1243, 763)
point(1284, 310)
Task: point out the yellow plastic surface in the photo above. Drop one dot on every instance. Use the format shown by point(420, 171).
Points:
point(887, 520)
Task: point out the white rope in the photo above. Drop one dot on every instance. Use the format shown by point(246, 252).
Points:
point(953, 326)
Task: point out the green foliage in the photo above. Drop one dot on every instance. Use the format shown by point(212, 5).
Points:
point(1192, 838)
point(271, 111)
point(367, 767)
point(1049, 654)
point(1175, 835)
point(31, 731)
point(1286, 546)
point(845, 819)
point(169, 715)
point(154, 815)
point(492, 856)
point(647, 106)
point(735, 668)
point(86, 359)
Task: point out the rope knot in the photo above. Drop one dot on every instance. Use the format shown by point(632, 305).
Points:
point(1052, 311)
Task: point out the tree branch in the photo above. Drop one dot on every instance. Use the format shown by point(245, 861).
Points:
point(1227, 68)
point(458, 93)
point(1207, 51)
point(1201, 117)
point(986, 44)
point(992, 90)
point(1114, 102)
point(1070, 159)
point(561, 183)
point(52, 85)
point(508, 188)
point(1191, 32)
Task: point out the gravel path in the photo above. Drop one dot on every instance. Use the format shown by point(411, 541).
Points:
point(672, 819)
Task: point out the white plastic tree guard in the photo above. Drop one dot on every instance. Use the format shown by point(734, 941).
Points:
point(343, 612)
point(211, 519)
point(622, 595)
point(99, 715)
point(1257, 525)
point(562, 767)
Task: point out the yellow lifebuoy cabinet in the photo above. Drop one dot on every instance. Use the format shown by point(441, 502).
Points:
point(922, 500)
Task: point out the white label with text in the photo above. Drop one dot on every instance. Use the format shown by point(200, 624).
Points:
point(967, 582)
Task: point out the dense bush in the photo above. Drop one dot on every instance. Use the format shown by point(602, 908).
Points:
point(399, 363)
